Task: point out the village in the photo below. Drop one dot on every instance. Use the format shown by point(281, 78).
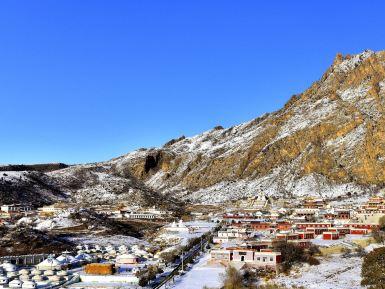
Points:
point(253, 234)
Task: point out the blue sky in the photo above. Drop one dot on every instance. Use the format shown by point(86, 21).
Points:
point(84, 81)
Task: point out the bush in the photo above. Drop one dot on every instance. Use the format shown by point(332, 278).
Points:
point(381, 223)
point(290, 254)
point(147, 275)
point(373, 269)
point(313, 261)
point(170, 256)
point(378, 236)
point(250, 277)
point(314, 250)
point(232, 279)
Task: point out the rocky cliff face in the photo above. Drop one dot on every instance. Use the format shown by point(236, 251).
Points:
point(328, 141)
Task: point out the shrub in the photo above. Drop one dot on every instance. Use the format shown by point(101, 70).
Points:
point(290, 254)
point(170, 256)
point(232, 279)
point(378, 236)
point(147, 275)
point(314, 250)
point(381, 223)
point(373, 269)
point(313, 261)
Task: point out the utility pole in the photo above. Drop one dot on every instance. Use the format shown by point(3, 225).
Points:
point(182, 261)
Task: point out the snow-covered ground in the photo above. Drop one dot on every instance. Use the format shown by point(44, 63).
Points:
point(334, 272)
point(115, 240)
point(202, 274)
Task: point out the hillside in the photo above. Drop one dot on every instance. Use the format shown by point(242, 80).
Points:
point(328, 141)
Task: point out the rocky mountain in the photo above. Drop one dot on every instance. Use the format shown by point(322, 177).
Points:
point(327, 141)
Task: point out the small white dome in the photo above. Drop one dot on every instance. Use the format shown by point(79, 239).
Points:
point(24, 272)
point(49, 273)
point(3, 280)
point(15, 284)
point(12, 274)
point(24, 277)
point(29, 285)
point(36, 272)
point(54, 278)
point(37, 278)
point(9, 267)
point(62, 273)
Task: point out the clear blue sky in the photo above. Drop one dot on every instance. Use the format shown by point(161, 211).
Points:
point(84, 81)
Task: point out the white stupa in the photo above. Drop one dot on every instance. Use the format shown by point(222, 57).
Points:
point(177, 227)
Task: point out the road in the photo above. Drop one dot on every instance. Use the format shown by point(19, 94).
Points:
point(187, 258)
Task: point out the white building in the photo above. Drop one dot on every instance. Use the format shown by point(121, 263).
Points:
point(16, 208)
point(177, 227)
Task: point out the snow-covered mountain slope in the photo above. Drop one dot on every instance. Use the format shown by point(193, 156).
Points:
point(28, 187)
point(328, 141)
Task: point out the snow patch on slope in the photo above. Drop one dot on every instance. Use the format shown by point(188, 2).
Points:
point(309, 185)
point(350, 140)
point(307, 115)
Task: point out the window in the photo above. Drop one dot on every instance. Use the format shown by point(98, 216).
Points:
point(271, 259)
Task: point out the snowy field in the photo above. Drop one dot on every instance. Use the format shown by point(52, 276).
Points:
point(202, 274)
point(334, 272)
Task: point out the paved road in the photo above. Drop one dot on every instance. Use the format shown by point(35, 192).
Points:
point(187, 257)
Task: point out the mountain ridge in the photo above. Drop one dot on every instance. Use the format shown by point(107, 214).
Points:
point(328, 141)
